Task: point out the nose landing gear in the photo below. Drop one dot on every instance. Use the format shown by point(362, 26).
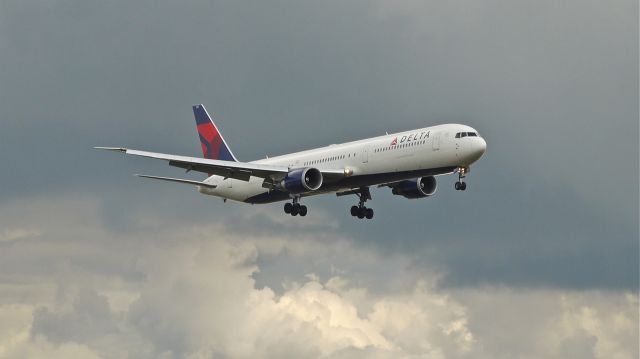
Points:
point(295, 208)
point(460, 185)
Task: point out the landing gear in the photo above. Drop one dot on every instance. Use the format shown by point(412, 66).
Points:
point(360, 210)
point(295, 208)
point(288, 208)
point(369, 213)
point(461, 185)
point(303, 211)
point(354, 210)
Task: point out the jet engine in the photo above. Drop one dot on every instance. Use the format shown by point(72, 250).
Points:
point(415, 188)
point(302, 180)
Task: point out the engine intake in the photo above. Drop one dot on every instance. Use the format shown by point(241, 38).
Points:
point(416, 188)
point(302, 180)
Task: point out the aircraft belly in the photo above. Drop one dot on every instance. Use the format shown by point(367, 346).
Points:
point(376, 171)
point(351, 182)
point(236, 190)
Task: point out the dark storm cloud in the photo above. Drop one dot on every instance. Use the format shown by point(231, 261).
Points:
point(552, 86)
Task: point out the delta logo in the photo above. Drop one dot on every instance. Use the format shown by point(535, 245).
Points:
point(394, 142)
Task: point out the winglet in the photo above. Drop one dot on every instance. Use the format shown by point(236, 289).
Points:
point(214, 147)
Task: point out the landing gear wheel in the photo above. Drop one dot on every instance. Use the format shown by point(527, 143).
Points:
point(296, 209)
point(303, 211)
point(369, 213)
point(360, 210)
point(354, 211)
point(461, 185)
point(288, 207)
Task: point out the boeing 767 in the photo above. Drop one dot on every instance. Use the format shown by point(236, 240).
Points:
point(407, 162)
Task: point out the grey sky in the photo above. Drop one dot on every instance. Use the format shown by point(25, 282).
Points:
point(552, 86)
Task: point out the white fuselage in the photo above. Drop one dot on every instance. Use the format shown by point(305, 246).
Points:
point(427, 151)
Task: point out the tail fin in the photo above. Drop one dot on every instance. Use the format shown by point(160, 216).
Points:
point(214, 147)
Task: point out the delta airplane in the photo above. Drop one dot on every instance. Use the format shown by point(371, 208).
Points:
point(407, 162)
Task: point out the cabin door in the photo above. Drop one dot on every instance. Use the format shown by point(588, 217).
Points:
point(365, 154)
point(436, 142)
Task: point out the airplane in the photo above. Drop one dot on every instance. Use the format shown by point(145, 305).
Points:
point(407, 162)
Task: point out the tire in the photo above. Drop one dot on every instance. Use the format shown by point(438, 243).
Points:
point(362, 212)
point(463, 186)
point(288, 207)
point(369, 213)
point(295, 210)
point(303, 211)
point(354, 211)
point(457, 186)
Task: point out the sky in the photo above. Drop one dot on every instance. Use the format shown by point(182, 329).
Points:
point(538, 258)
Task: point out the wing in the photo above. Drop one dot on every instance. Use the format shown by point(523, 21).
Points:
point(228, 169)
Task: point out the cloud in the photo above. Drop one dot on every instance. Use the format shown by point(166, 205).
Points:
point(9, 235)
point(192, 292)
point(89, 317)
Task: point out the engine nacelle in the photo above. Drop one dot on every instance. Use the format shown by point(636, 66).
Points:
point(416, 188)
point(302, 180)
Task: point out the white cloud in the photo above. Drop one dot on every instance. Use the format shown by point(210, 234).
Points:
point(16, 340)
point(188, 291)
point(10, 235)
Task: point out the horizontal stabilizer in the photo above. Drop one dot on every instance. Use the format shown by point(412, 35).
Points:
point(117, 149)
point(179, 180)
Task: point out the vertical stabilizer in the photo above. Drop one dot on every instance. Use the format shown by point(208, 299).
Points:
point(214, 147)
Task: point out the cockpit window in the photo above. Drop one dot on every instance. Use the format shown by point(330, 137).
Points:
point(465, 134)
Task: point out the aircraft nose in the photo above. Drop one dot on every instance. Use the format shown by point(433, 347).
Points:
point(478, 148)
point(482, 145)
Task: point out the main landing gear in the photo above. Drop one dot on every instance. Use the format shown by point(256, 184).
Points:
point(295, 208)
point(360, 210)
point(461, 185)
